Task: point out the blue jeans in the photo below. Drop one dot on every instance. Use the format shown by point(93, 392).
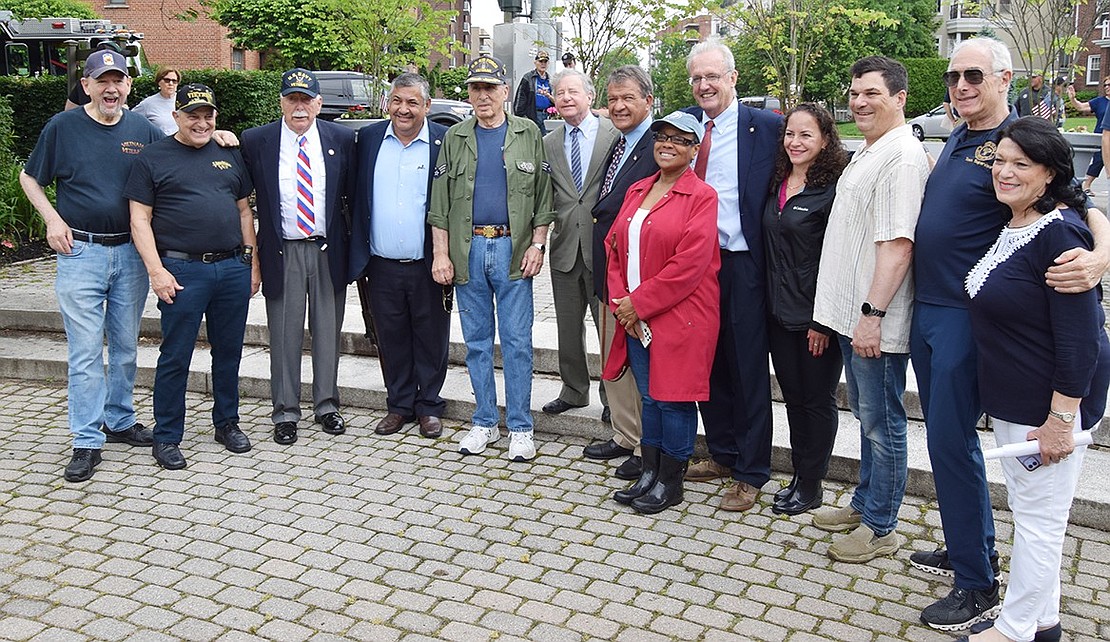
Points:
point(875, 388)
point(943, 353)
point(490, 292)
point(670, 426)
point(101, 291)
point(220, 293)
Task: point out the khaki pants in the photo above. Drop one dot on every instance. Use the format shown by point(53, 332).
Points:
point(624, 398)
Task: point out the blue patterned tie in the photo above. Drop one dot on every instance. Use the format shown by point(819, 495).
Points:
point(576, 158)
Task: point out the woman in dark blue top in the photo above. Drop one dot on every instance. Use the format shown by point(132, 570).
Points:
point(807, 363)
point(1038, 353)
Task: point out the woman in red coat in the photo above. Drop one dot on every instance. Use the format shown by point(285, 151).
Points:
point(663, 259)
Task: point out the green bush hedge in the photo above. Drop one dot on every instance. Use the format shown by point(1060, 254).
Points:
point(926, 85)
point(33, 101)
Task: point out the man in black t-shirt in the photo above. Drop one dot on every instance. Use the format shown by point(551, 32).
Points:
point(194, 229)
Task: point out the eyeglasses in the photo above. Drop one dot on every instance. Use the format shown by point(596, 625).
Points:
point(448, 298)
point(660, 137)
point(712, 79)
point(972, 76)
point(171, 80)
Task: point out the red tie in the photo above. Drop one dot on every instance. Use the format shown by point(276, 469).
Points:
point(703, 153)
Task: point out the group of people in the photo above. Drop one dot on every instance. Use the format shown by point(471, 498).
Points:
point(701, 242)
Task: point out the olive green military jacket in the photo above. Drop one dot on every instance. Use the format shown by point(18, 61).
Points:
point(528, 178)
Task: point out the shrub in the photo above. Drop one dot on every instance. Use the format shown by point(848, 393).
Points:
point(33, 102)
point(926, 85)
point(245, 98)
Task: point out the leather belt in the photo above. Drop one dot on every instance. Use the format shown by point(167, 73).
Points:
point(491, 231)
point(207, 257)
point(102, 239)
point(320, 241)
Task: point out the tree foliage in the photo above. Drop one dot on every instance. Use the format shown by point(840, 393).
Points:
point(668, 71)
point(49, 9)
point(379, 37)
point(610, 61)
point(1044, 32)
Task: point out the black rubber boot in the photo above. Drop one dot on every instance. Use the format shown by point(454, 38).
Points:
point(667, 490)
point(648, 473)
point(807, 495)
point(788, 490)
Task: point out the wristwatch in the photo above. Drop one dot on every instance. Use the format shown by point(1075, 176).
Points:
point(540, 246)
point(869, 310)
point(1066, 417)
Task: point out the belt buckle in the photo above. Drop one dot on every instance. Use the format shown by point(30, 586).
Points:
point(208, 257)
point(489, 231)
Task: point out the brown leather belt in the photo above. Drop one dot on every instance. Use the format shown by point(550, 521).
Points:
point(491, 231)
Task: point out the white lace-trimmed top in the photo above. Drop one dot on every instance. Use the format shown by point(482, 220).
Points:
point(1010, 240)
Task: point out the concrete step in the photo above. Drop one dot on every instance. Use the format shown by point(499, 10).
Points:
point(41, 355)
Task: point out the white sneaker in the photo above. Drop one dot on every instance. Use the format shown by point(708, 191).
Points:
point(475, 441)
point(521, 446)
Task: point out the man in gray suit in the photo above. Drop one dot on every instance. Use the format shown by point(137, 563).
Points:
point(577, 150)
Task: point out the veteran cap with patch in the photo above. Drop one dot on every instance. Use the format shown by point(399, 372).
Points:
point(486, 69)
point(300, 81)
point(100, 62)
point(195, 95)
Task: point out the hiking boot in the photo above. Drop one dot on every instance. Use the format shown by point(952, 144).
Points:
point(863, 545)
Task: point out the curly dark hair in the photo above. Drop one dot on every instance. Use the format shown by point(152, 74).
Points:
point(830, 162)
point(1045, 145)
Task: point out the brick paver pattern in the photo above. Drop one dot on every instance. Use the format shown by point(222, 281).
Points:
point(400, 538)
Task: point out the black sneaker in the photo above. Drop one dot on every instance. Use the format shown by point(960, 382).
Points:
point(936, 562)
point(960, 609)
point(82, 465)
point(137, 435)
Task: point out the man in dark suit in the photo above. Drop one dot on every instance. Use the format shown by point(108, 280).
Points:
point(391, 244)
point(303, 175)
point(631, 159)
point(577, 151)
point(737, 159)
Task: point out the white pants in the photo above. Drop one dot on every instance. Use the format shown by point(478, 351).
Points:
point(1040, 501)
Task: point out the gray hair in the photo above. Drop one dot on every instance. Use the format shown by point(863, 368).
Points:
point(409, 79)
point(712, 45)
point(999, 52)
point(567, 73)
point(631, 74)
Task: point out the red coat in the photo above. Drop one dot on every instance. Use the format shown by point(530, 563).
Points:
point(678, 295)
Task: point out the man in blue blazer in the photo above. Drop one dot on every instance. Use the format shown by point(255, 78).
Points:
point(391, 244)
point(737, 159)
point(303, 173)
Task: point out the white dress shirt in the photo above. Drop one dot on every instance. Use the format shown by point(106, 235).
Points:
point(287, 180)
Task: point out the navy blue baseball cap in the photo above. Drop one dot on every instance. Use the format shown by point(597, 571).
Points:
point(300, 81)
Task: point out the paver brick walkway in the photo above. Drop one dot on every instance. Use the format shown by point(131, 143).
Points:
point(400, 538)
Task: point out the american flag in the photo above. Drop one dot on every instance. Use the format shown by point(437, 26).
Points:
point(1046, 108)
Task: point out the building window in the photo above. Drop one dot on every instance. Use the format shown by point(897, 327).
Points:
point(238, 59)
point(1094, 69)
point(115, 4)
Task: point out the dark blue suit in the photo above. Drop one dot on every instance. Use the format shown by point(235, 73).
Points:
point(300, 276)
point(737, 416)
point(407, 305)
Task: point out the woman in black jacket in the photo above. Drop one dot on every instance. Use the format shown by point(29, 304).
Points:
point(807, 363)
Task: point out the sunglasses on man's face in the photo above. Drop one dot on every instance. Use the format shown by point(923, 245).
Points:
point(973, 76)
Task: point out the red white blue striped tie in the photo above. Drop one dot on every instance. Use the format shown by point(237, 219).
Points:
point(306, 208)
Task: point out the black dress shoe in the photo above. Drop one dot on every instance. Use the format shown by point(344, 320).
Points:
point(806, 497)
point(137, 435)
point(332, 423)
point(606, 416)
point(630, 468)
point(606, 450)
point(82, 465)
point(558, 406)
point(168, 456)
point(285, 433)
point(232, 438)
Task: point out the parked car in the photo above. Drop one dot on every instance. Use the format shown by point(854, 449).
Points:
point(932, 124)
point(344, 91)
point(763, 102)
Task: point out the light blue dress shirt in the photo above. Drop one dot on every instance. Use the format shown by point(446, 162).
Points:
point(632, 139)
point(723, 174)
point(400, 197)
point(587, 140)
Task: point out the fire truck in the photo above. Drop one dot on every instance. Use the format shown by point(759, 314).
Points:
point(57, 46)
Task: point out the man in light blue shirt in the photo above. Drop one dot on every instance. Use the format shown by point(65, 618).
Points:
point(391, 244)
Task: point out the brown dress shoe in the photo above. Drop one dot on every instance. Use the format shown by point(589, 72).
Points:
point(739, 497)
point(430, 427)
point(707, 470)
point(390, 424)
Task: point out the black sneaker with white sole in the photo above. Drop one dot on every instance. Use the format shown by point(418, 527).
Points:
point(937, 563)
point(960, 609)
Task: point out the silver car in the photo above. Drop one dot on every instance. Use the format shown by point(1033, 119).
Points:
point(933, 124)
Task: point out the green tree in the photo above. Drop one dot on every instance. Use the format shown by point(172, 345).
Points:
point(610, 61)
point(1045, 32)
point(49, 9)
point(911, 32)
point(668, 71)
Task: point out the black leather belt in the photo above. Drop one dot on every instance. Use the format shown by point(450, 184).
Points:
point(491, 231)
point(102, 239)
point(386, 258)
point(207, 257)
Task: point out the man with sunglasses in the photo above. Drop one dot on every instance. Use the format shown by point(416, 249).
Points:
point(1096, 106)
point(960, 218)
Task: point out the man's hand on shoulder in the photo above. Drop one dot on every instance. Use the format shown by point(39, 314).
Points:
point(224, 138)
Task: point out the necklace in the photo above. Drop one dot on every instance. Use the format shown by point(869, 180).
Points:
point(793, 186)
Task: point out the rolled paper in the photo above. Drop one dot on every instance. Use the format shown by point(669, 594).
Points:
point(1032, 447)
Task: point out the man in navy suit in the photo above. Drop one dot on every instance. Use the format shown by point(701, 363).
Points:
point(391, 244)
point(303, 173)
point(737, 159)
point(631, 159)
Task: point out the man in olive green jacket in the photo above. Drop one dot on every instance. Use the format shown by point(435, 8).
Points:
point(490, 209)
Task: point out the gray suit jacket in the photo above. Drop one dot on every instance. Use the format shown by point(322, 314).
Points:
point(573, 229)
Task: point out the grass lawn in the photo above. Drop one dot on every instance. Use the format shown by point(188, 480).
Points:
point(849, 130)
